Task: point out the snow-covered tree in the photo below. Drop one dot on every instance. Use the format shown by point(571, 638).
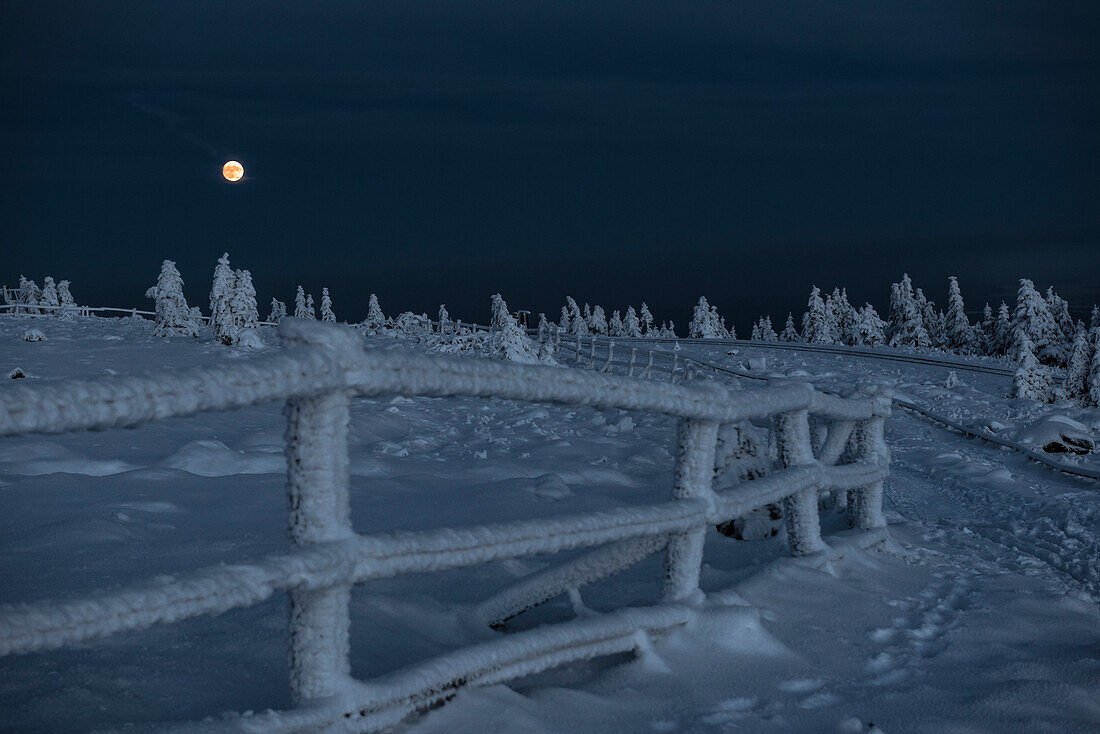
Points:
point(507, 340)
point(1002, 330)
point(959, 334)
point(300, 304)
point(578, 325)
point(1094, 320)
point(544, 328)
point(221, 290)
point(932, 319)
point(762, 330)
point(445, 319)
point(64, 296)
point(597, 322)
point(30, 295)
point(563, 320)
point(815, 322)
point(667, 330)
point(1094, 375)
point(174, 317)
point(632, 327)
point(1032, 379)
point(1059, 310)
point(706, 323)
point(837, 319)
point(49, 296)
point(790, 333)
point(646, 319)
point(1080, 359)
point(870, 328)
point(906, 324)
point(1034, 320)
point(311, 314)
point(615, 324)
point(984, 331)
point(278, 311)
point(327, 314)
point(376, 320)
point(245, 316)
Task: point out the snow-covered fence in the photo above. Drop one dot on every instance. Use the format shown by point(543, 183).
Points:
point(321, 369)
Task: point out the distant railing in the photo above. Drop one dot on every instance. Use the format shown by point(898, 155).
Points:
point(318, 373)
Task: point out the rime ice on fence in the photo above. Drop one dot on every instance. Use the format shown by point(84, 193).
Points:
point(321, 369)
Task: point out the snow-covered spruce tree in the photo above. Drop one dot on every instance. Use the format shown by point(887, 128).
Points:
point(632, 327)
point(1094, 319)
point(278, 311)
point(932, 319)
point(507, 341)
point(327, 314)
point(578, 326)
point(300, 303)
point(833, 315)
point(668, 330)
point(790, 332)
point(544, 329)
point(311, 314)
point(704, 322)
point(1080, 359)
point(1002, 330)
point(985, 330)
point(563, 320)
point(245, 315)
point(221, 289)
point(1034, 320)
point(646, 319)
point(754, 335)
point(1059, 309)
point(815, 324)
point(445, 319)
point(1032, 379)
point(906, 325)
point(615, 324)
point(959, 334)
point(848, 318)
point(29, 294)
point(66, 297)
point(375, 322)
point(1094, 375)
point(767, 331)
point(598, 321)
point(49, 297)
point(174, 316)
point(870, 329)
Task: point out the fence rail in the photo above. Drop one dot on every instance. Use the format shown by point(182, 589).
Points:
point(321, 369)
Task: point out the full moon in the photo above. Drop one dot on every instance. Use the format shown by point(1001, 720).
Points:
point(233, 171)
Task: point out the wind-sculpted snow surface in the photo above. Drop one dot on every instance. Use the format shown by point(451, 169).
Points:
point(317, 373)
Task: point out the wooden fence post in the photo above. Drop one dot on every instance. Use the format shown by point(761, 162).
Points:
point(317, 499)
point(866, 510)
point(696, 442)
point(800, 510)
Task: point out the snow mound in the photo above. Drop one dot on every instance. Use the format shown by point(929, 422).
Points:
point(214, 459)
point(1058, 434)
point(40, 458)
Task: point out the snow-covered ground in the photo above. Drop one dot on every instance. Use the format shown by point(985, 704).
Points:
point(980, 616)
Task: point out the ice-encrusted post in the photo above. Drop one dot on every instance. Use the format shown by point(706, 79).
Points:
point(866, 510)
point(696, 441)
point(792, 433)
point(317, 498)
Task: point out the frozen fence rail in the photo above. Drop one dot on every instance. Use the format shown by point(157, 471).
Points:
point(321, 369)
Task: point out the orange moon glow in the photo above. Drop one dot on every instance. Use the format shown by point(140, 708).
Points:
point(233, 171)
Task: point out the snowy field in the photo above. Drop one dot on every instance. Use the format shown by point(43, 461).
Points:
point(981, 615)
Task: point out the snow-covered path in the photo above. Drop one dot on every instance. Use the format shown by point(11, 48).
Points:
point(980, 616)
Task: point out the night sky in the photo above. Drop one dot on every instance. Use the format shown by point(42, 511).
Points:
point(613, 151)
